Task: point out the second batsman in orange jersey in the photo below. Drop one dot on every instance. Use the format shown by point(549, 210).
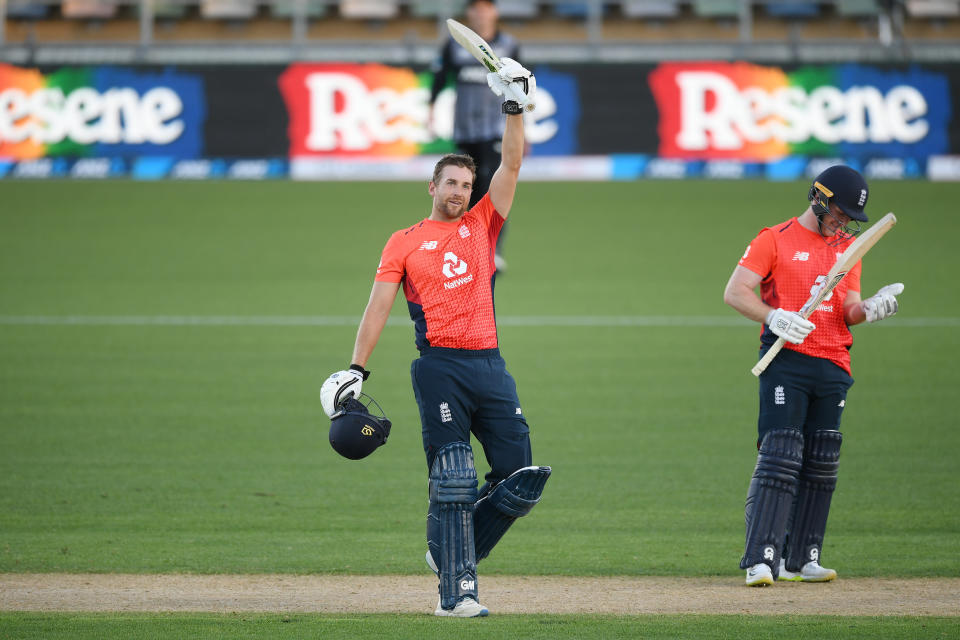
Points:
point(804, 390)
point(445, 265)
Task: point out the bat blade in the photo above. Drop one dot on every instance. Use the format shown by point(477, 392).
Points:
point(845, 262)
point(483, 52)
point(474, 44)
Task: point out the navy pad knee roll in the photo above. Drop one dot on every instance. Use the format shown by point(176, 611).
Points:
point(510, 499)
point(818, 479)
point(770, 497)
point(453, 492)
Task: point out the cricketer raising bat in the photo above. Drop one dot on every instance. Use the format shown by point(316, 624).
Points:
point(479, 49)
point(847, 260)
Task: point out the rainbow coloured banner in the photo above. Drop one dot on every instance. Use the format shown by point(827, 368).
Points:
point(716, 110)
point(100, 112)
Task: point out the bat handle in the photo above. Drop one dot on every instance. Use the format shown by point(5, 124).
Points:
point(518, 95)
point(768, 357)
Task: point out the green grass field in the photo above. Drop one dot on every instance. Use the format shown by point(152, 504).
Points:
point(127, 446)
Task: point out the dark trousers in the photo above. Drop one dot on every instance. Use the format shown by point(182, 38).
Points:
point(801, 392)
point(460, 392)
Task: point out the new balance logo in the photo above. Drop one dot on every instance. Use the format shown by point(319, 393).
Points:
point(863, 197)
point(445, 415)
point(429, 245)
point(452, 265)
point(464, 231)
point(801, 256)
point(778, 396)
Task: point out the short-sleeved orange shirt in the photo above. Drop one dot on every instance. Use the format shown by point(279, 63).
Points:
point(792, 260)
point(447, 272)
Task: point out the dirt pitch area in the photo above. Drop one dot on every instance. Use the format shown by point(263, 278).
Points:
point(502, 594)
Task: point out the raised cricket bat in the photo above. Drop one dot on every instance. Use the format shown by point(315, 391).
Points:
point(479, 49)
point(847, 260)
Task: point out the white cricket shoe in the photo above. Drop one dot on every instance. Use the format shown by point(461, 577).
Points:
point(466, 608)
point(431, 563)
point(759, 575)
point(810, 572)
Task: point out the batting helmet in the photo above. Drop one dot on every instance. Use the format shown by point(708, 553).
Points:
point(841, 185)
point(355, 432)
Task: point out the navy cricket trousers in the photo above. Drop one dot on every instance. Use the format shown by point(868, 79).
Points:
point(460, 391)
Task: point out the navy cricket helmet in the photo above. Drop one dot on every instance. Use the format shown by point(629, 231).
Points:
point(355, 432)
point(841, 185)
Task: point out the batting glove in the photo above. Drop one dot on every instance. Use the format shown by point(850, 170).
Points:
point(789, 325)
point(883, 304)
point(515, 83)
point(340, 386)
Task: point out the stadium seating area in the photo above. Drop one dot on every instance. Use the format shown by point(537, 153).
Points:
point(52, 21)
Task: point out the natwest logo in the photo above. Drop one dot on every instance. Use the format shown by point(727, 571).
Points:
point(452, 265)
point(717, 110)
point(342, 109)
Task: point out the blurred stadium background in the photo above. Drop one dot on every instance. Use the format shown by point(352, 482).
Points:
point(337, 89)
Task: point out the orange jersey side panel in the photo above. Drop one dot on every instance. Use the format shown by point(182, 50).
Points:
point(792, 260)
point(447, 273)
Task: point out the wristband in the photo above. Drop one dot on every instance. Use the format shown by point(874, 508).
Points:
point(363, 372)
point(511, 107)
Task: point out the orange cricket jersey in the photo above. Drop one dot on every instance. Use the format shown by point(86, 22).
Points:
point(792, 260)
point(447, 272)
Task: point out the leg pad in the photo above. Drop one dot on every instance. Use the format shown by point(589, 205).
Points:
point(770, 497)
point(510, 499)
point(453, 492)
point(818, 479)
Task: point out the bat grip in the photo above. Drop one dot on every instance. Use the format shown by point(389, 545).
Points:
point(768, 357)
point(515, 93)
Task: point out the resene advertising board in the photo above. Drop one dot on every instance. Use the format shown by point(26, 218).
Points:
point(375, 121)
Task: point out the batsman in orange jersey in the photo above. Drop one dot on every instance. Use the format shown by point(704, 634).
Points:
point(445, 265)
point(804, 389)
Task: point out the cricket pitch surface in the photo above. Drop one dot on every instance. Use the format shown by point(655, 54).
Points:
point(502, 594)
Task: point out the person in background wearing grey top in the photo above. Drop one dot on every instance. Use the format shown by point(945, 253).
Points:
point(477, 121)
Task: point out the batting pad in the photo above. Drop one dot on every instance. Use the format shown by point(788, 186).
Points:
point(818, 479)
point(512, 498)
point(770, 497)
point(453, 492)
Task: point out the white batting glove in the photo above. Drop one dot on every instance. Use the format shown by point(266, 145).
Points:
point(338, 387)
point(883, 304)
point(789, 325)
point(513, 82)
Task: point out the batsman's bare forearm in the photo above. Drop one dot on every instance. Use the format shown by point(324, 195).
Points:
point(739, 294)
point(374, 320)
point(503, 184)
point(853, 309)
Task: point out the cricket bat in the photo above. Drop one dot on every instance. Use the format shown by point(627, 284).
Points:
point(847, 261)
point(483, 52)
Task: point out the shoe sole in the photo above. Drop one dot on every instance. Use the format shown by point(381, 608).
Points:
point(824, 579)
point(765, 581)
point(793, 579)
point(444, 613)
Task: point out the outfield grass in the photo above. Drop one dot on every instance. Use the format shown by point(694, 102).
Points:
point(203, 448)
point(27, 626)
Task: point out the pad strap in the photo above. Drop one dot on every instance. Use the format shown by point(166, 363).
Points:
point(770, 497)
point(818, 480)
point(453, 492)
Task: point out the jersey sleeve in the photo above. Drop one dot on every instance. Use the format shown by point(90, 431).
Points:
point(487, 213)
point(391, 267)
point(761, 255)
point(853, 278)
